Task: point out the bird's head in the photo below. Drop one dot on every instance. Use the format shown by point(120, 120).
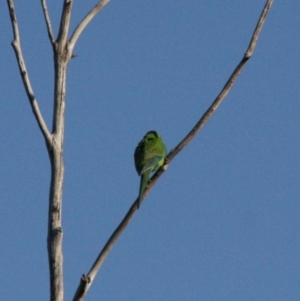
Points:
point(152, 134)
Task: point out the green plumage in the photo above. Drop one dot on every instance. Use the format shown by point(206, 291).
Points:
point(149, 155)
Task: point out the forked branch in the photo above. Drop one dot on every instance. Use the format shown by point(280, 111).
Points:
point(86, 280)
point(24, 75)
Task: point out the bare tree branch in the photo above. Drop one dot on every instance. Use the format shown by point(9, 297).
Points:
point(24, 75)
point(62, 56)
point(55, 149)
point(85, 21)
point(258, 27)
point(86, 280)
point(65, 22)
point(48, 22)
point(227, 86)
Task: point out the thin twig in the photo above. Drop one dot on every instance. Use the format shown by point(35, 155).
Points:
point(24, 75)
point(48, 22)
point(85, 21)
point(86, 280)
point(258, 27)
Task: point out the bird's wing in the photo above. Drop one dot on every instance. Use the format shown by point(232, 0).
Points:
point(150, 163)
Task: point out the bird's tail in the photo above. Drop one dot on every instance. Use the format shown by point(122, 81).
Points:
point(143, 185)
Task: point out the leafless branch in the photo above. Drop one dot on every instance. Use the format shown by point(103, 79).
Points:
point(85, 21)
point(24, 75)
point(65, 22)
point(86, 280)
point(48, 22)
point(227, 86)
point(258, 27)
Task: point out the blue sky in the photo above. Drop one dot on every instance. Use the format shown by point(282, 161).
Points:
point(223, 222)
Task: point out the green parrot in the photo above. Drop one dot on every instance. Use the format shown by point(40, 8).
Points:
point(149, 155)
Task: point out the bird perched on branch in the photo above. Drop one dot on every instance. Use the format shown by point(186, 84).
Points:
point(149, 155)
